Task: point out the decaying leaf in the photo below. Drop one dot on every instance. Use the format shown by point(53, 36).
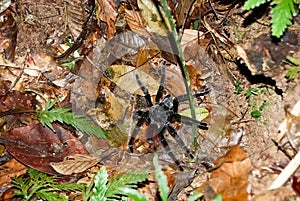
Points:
point(75, 164)
point(152, 16)
point(231, 178)
point(125, 78)
point(11, 169)
point(8, 35)
point(293, 129)
point(136, 23)
point(12, 99)
point(107, 12)
point(37, 146)
point(4, 4)
point(75, 15)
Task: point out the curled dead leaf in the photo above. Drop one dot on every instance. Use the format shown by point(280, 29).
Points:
point(231, 178)
point(75, 164)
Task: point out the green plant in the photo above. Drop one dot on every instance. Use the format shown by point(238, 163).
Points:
point(42, 186)
point(161, 179)
point(102, 189)
point(64, 115)
point(69, 63)
point(282, 13)
point(238, 87)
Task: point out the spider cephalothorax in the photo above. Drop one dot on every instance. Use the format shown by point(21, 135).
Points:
point(161, 115)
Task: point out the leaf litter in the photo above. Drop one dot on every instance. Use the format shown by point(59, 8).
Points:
point(92, 86)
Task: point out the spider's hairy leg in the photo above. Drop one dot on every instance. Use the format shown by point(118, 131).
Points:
point(202, 92)
point(161, 83)
point(175, 135)
point(175, 105)
point(137, 127)
point(145, 91)
point(167, 148)
point(189, 121)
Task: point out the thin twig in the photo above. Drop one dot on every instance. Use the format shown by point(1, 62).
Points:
point(286, 173)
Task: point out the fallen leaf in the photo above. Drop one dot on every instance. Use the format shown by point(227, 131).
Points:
point(11, 99)
point(75, 14)
point(11, 169)
point(279, 194)
point(37, 146)
point(136, 23)
point(152, 16)
point(8, 35)
point(231, 178)
point(107, 12)
point(75, 164)
point(4, 4)
point(296, 185)
point(124, 73)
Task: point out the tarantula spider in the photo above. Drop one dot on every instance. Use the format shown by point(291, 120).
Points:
point(160, 116)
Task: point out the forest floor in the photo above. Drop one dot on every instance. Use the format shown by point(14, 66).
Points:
point(253, 129)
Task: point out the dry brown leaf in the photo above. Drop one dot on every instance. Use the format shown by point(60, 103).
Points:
point(75, 164)
point(8, 35)
point(75, 15)
point(11, 169)
point(231, 178)
point(152, 16)
point(107, 12)
point(4, 4)
point(136, 23)
point(37, 146)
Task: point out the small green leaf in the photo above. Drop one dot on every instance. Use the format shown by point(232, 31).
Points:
point(292, 73)
point(251, 91)
point(238, 87)
point(161, 179)
point(256, 114)
point(250, 4)
point(293, 60)
point(264, 105)
point(69, 63)
point(218, 198)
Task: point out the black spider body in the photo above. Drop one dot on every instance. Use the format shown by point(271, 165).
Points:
point(161, 115)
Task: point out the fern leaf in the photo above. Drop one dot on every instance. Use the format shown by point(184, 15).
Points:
point(133, 194)
point(64, 115)
point(281, 16)
point(100, 187)
point(250, 4)
point(129, 180)
point(161, 179)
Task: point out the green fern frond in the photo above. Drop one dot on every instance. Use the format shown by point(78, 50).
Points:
point(282, 14)
point(103, 189)
point(64, 115)
point(129, 180)
point(133, 194)
point(162, 180)
point(100, 188)
point(42, 186)
point(250, 4)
